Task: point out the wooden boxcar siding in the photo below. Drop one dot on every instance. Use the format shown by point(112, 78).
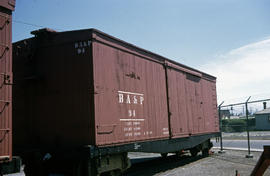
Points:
point(89, 88)
point(56, 91)
point(121, 72)
point(130, 97)
point(5, 81)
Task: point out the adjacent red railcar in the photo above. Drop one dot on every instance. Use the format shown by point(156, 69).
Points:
point(6, 8)
point(86, 88)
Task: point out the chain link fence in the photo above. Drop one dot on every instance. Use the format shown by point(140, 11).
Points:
point(244, 125)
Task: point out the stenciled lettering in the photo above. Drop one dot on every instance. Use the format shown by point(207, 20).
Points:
point(141, 100)
point(135, 101)
point(121, 98)
point(130, 97)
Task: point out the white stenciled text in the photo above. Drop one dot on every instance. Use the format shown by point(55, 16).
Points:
point(130, 98)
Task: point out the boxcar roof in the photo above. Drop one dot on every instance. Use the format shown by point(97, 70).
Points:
point(115, 40)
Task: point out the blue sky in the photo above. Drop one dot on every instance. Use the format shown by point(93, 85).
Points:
point(197, 33)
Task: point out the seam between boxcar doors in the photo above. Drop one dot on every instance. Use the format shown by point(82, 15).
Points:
point(165, 66)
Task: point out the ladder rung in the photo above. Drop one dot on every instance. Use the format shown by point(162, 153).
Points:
point(5, 101)
point(4, 45)
point(5, 16)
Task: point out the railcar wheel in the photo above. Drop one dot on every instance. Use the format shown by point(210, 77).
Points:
point(84, 167)
point(205, 152)
point(164, 155)
point(194, 152)
point(91, 168)
point(116, 172)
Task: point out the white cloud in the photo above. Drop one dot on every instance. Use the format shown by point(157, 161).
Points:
point(242, 72)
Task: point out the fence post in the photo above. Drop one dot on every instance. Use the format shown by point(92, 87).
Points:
point(220, 128)
point(248, 155)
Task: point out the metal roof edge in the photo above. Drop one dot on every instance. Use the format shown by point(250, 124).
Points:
point(150, 52)
point(124, 44)
point(20, 41)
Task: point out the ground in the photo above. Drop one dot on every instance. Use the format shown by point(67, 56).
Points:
point(224, 164)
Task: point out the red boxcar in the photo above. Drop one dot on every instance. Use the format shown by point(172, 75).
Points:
point(86, 88)
point(6, 8)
